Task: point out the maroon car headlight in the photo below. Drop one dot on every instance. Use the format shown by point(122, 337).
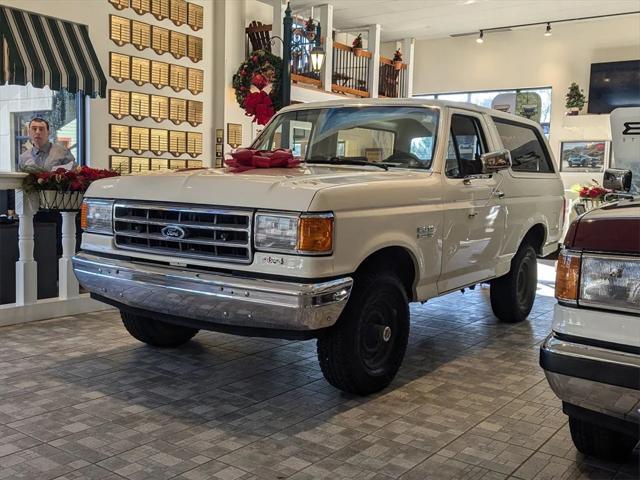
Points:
point(611, 282)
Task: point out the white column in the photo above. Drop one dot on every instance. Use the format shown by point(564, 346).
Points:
point(374, 61)
point(408, 52)
point(279, 6)
point(326, 30)
point(67, 283)
point(26, 267)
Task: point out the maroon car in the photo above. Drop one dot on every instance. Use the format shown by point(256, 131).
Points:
point(592, 356)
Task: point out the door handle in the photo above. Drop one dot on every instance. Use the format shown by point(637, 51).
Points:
point(498, 194)
point(473, 214)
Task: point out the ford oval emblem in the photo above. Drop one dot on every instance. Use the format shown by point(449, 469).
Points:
point(173, 232)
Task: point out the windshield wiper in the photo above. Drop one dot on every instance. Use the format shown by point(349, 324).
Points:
point(343, 161)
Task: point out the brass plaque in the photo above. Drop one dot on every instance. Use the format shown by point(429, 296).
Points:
point(177, 110)
point(194, 48)
point(160, 9)
point(234, 134)
point(195, 14)
point(219, 135)
point(178, 12)
point(159, 39)
point(118, 138)
point(177, 77)
point(159, 107)
point(195, 80)
point(141, 6)
point(119, 4)
point(119, 29)
point(177, 142)
point(139, 105)
point(118, 103)
point(176, 164)
point(139, 165)
point(178, 44)
point(194, 113)
point(194, 164)
point(120, 164)
point(194, 143)
point(159, 164)
point(139, 139)
point(140, 34)
point(140, 73)
point(159, 140)
point(159, 74)
point(119, 67)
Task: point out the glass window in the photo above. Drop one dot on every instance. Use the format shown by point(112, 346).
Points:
point(19, 104)
point(454, 97)
point(466, 144)
point(528, 152)
point(396, 136)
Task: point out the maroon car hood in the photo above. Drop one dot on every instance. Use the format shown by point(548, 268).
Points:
point(613, 228)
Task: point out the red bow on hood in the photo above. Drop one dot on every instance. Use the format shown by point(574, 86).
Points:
point(247, 159)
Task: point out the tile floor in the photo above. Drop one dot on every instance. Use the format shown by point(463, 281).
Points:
point(81, 399)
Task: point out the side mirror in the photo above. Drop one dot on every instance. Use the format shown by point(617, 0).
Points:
point(495, 161)
point(617, 179)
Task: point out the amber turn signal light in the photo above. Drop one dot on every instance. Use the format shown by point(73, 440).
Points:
point(568, 276)
point(83, 216)
point(315, 234)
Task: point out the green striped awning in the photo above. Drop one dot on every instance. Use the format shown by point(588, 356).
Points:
point(47, 51)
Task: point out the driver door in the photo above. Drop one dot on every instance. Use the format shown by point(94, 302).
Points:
point(474, 216)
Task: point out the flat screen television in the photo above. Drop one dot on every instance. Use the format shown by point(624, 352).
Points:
point(613, 85)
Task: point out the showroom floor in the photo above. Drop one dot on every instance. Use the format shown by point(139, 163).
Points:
point(80, 398)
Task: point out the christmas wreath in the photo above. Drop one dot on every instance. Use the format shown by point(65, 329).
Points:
point(257, 85)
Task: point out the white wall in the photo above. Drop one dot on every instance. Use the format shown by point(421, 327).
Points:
point(525, 58)
point(95, 14)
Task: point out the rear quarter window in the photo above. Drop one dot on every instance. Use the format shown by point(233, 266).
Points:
point(528, 151)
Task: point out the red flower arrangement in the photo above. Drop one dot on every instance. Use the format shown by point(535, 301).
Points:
point(247, 159)
point(63, 180)
point(593, 192)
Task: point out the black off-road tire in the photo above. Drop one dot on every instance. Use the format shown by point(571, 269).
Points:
point(513, 294)
point(155, 332)
point(362, 353)
point(600, 442)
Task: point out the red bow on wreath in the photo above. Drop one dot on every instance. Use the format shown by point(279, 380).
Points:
point(259, 105)
point(247, 159)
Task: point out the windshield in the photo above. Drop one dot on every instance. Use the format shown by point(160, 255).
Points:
point(385, 135)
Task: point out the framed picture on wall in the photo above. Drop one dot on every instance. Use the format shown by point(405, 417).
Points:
point(584, 155)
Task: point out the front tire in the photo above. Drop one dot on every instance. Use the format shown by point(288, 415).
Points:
point(600, 442)
point(513, 294)
point(362, 353)
point(155, 332)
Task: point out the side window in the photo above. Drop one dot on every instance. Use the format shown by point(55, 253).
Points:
point(466, 144)
point(528, 152)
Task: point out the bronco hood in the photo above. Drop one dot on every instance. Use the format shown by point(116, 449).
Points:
point(274, 188)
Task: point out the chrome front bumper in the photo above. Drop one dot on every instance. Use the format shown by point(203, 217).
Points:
point(594, 378)
point(212, 297)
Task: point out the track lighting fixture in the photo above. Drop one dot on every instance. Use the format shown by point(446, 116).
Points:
point(548, 32)
point(480, 37)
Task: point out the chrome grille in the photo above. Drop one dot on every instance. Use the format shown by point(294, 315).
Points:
point(184, 231)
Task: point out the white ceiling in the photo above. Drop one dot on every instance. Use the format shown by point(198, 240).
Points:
point(427, 19)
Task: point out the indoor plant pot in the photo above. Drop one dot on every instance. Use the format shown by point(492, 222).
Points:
point(60, 200)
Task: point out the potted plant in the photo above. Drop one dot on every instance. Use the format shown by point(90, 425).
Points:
point(62, 189)
point(356, 45)
point(310, 29)
point(397, 60)
point(575, 99)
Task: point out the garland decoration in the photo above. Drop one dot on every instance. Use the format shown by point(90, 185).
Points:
point(257, 85)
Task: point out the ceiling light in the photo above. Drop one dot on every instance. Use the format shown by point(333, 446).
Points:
point(548, 32)
point(480, 39)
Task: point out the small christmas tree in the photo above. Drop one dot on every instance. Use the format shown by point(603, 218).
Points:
point(357, 42)
point(575, 97)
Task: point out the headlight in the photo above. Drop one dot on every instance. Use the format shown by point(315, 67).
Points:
point(610, 282)
point(296, 233)
point(96, 216)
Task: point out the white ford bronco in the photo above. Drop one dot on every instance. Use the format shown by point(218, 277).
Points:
point(395, 201)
